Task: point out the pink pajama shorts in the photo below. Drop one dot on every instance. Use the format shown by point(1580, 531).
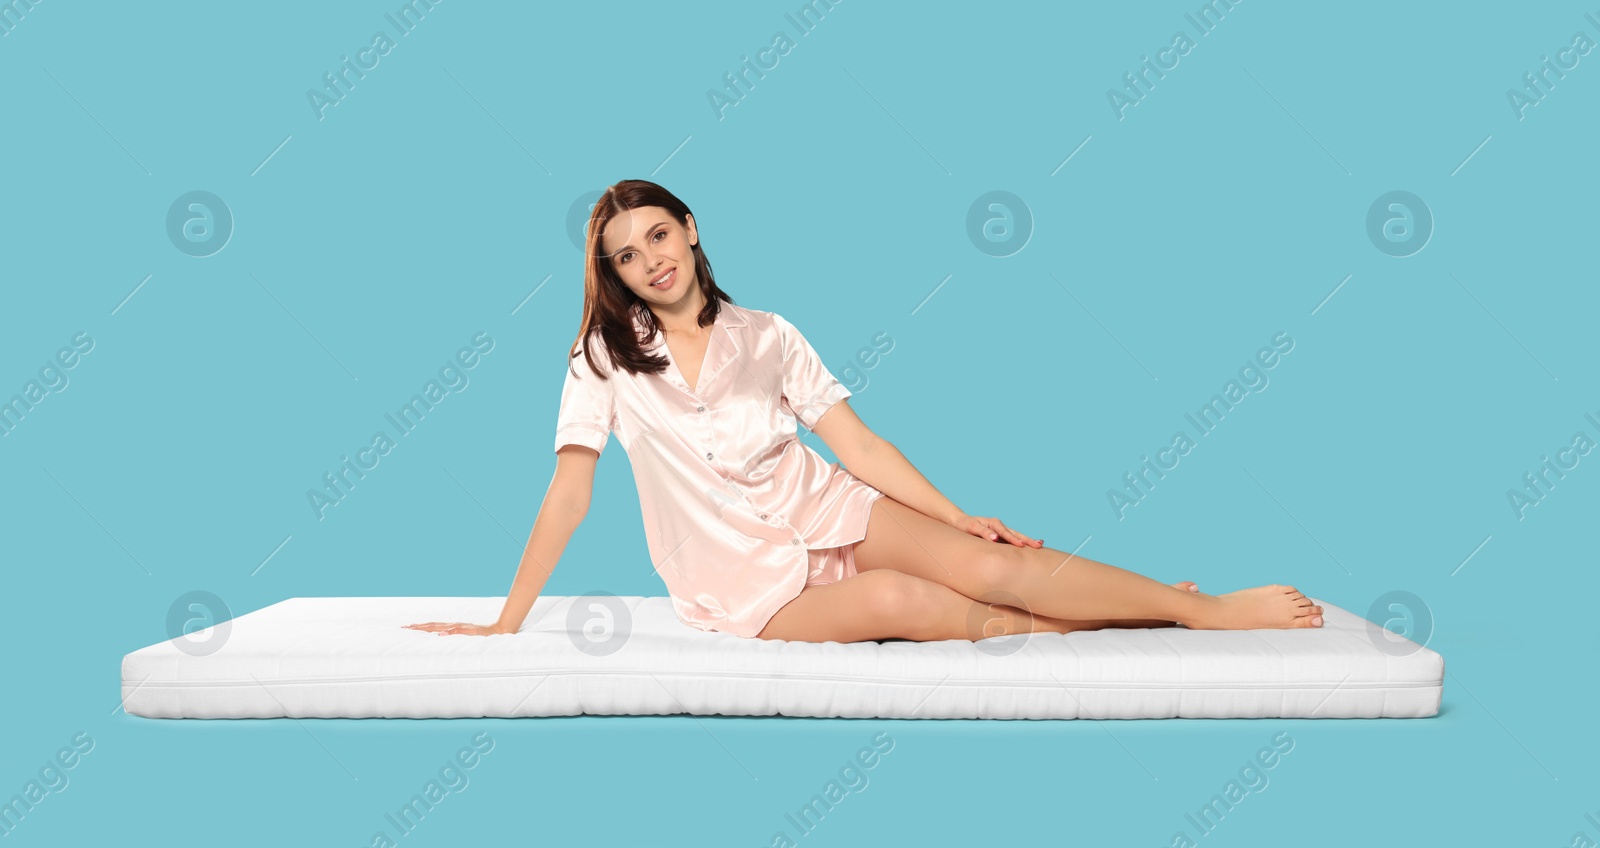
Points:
point(830, 565)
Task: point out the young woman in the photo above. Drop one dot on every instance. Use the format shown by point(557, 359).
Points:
point(752, 531)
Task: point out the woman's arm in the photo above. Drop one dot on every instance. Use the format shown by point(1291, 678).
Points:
point(566, 502)
point(878, 462)
point(881, 465)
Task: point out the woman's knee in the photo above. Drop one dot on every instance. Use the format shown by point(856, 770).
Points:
point(902, 600)
point(998, 568)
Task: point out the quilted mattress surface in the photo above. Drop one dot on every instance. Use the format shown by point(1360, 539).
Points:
point(630, 655)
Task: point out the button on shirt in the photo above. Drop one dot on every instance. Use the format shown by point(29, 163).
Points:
point(731, 498)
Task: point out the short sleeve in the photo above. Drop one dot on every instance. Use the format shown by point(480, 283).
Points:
point(588, 408)
point(809, 388)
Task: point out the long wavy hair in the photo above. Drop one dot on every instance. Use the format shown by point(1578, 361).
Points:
point(609, 306)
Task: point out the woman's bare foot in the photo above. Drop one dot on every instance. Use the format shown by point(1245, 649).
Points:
point(1271, 607)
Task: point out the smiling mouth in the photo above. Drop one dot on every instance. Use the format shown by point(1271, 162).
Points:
point(665, 278)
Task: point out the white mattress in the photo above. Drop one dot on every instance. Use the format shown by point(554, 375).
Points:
point(351, 658)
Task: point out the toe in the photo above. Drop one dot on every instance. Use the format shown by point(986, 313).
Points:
point(1308, 621)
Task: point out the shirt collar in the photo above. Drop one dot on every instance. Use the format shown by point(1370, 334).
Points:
point(722, 349)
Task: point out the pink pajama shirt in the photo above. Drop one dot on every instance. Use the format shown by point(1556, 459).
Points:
point(739, 514)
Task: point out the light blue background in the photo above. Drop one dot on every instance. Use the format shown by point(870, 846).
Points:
point(434, 200)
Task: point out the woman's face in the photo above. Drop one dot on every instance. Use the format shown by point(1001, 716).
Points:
point(647, 245)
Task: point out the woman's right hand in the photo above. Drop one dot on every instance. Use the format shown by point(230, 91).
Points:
point(459, 628)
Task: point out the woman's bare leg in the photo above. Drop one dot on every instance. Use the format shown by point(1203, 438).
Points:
point(1050, 583)
point(889, 604)
point(1072, 625)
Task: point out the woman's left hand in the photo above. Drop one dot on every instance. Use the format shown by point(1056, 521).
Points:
point(994, 530)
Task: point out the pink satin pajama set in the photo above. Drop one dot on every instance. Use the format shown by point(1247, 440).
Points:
point(739, 514)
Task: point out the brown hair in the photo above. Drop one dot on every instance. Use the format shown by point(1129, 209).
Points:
point(609, 305)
